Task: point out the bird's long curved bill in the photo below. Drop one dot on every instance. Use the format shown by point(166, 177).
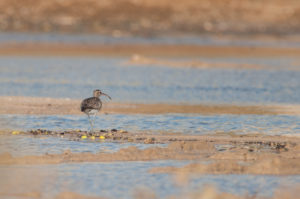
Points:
point(106, 95)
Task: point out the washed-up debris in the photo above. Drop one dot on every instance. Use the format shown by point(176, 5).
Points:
point(108, 135)
point(249, 144)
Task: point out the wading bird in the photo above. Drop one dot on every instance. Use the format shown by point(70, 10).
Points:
point(91, 106)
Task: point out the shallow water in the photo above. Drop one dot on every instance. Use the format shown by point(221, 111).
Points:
point(120, 179)
point(76, 77)
point(183, 123)
point(91, 39)
point(22, 145)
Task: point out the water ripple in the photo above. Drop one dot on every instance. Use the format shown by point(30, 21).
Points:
point(183, 123)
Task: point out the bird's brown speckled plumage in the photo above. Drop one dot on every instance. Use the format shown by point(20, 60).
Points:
point(89, 104)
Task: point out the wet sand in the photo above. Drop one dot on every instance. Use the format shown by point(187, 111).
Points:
point(137, 59)
point(219, 154)
point(62, 195)
point(152, 17)
point(263, 165)
point(211, 154)
point(208, 191)
point(50, 49)
point(56, 106)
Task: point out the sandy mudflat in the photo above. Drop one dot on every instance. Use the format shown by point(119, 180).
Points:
point(152, 17)
point(218, 154)
point(49, 49)
point(274, 155)
point(206, 193)
point(55, 106)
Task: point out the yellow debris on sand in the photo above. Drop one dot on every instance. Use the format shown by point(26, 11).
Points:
point(15, 132)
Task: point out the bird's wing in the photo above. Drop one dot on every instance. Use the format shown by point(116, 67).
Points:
point(91, 103)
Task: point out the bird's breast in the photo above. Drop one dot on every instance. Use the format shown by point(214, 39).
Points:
point(93, 111)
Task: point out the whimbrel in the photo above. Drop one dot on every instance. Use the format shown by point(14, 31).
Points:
point(91, 106)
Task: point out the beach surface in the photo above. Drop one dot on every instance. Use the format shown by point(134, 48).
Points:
point(168, 50)
point(62, 106)
point(272, 155)
point(205, 101)
point(152, 17)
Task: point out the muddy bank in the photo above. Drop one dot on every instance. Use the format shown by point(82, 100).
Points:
point(37, 195)
point(137, 59)
point(152, 17)
point(208, 191)
point(72, 195)
point(140, 60)
point(252, 141)
point(265, 165)
point(271, 155)
point(58, 49)
point(55, 106)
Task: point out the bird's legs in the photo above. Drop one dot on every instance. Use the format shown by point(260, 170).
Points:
point(92, 121)
point(94, 118)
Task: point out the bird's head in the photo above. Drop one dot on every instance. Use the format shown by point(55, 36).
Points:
point(98, 93)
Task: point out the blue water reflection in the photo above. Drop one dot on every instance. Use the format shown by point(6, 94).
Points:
point(76, 77)
point(183, 123)
point(22, 145)
point(94, 39)
point(120, 180)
